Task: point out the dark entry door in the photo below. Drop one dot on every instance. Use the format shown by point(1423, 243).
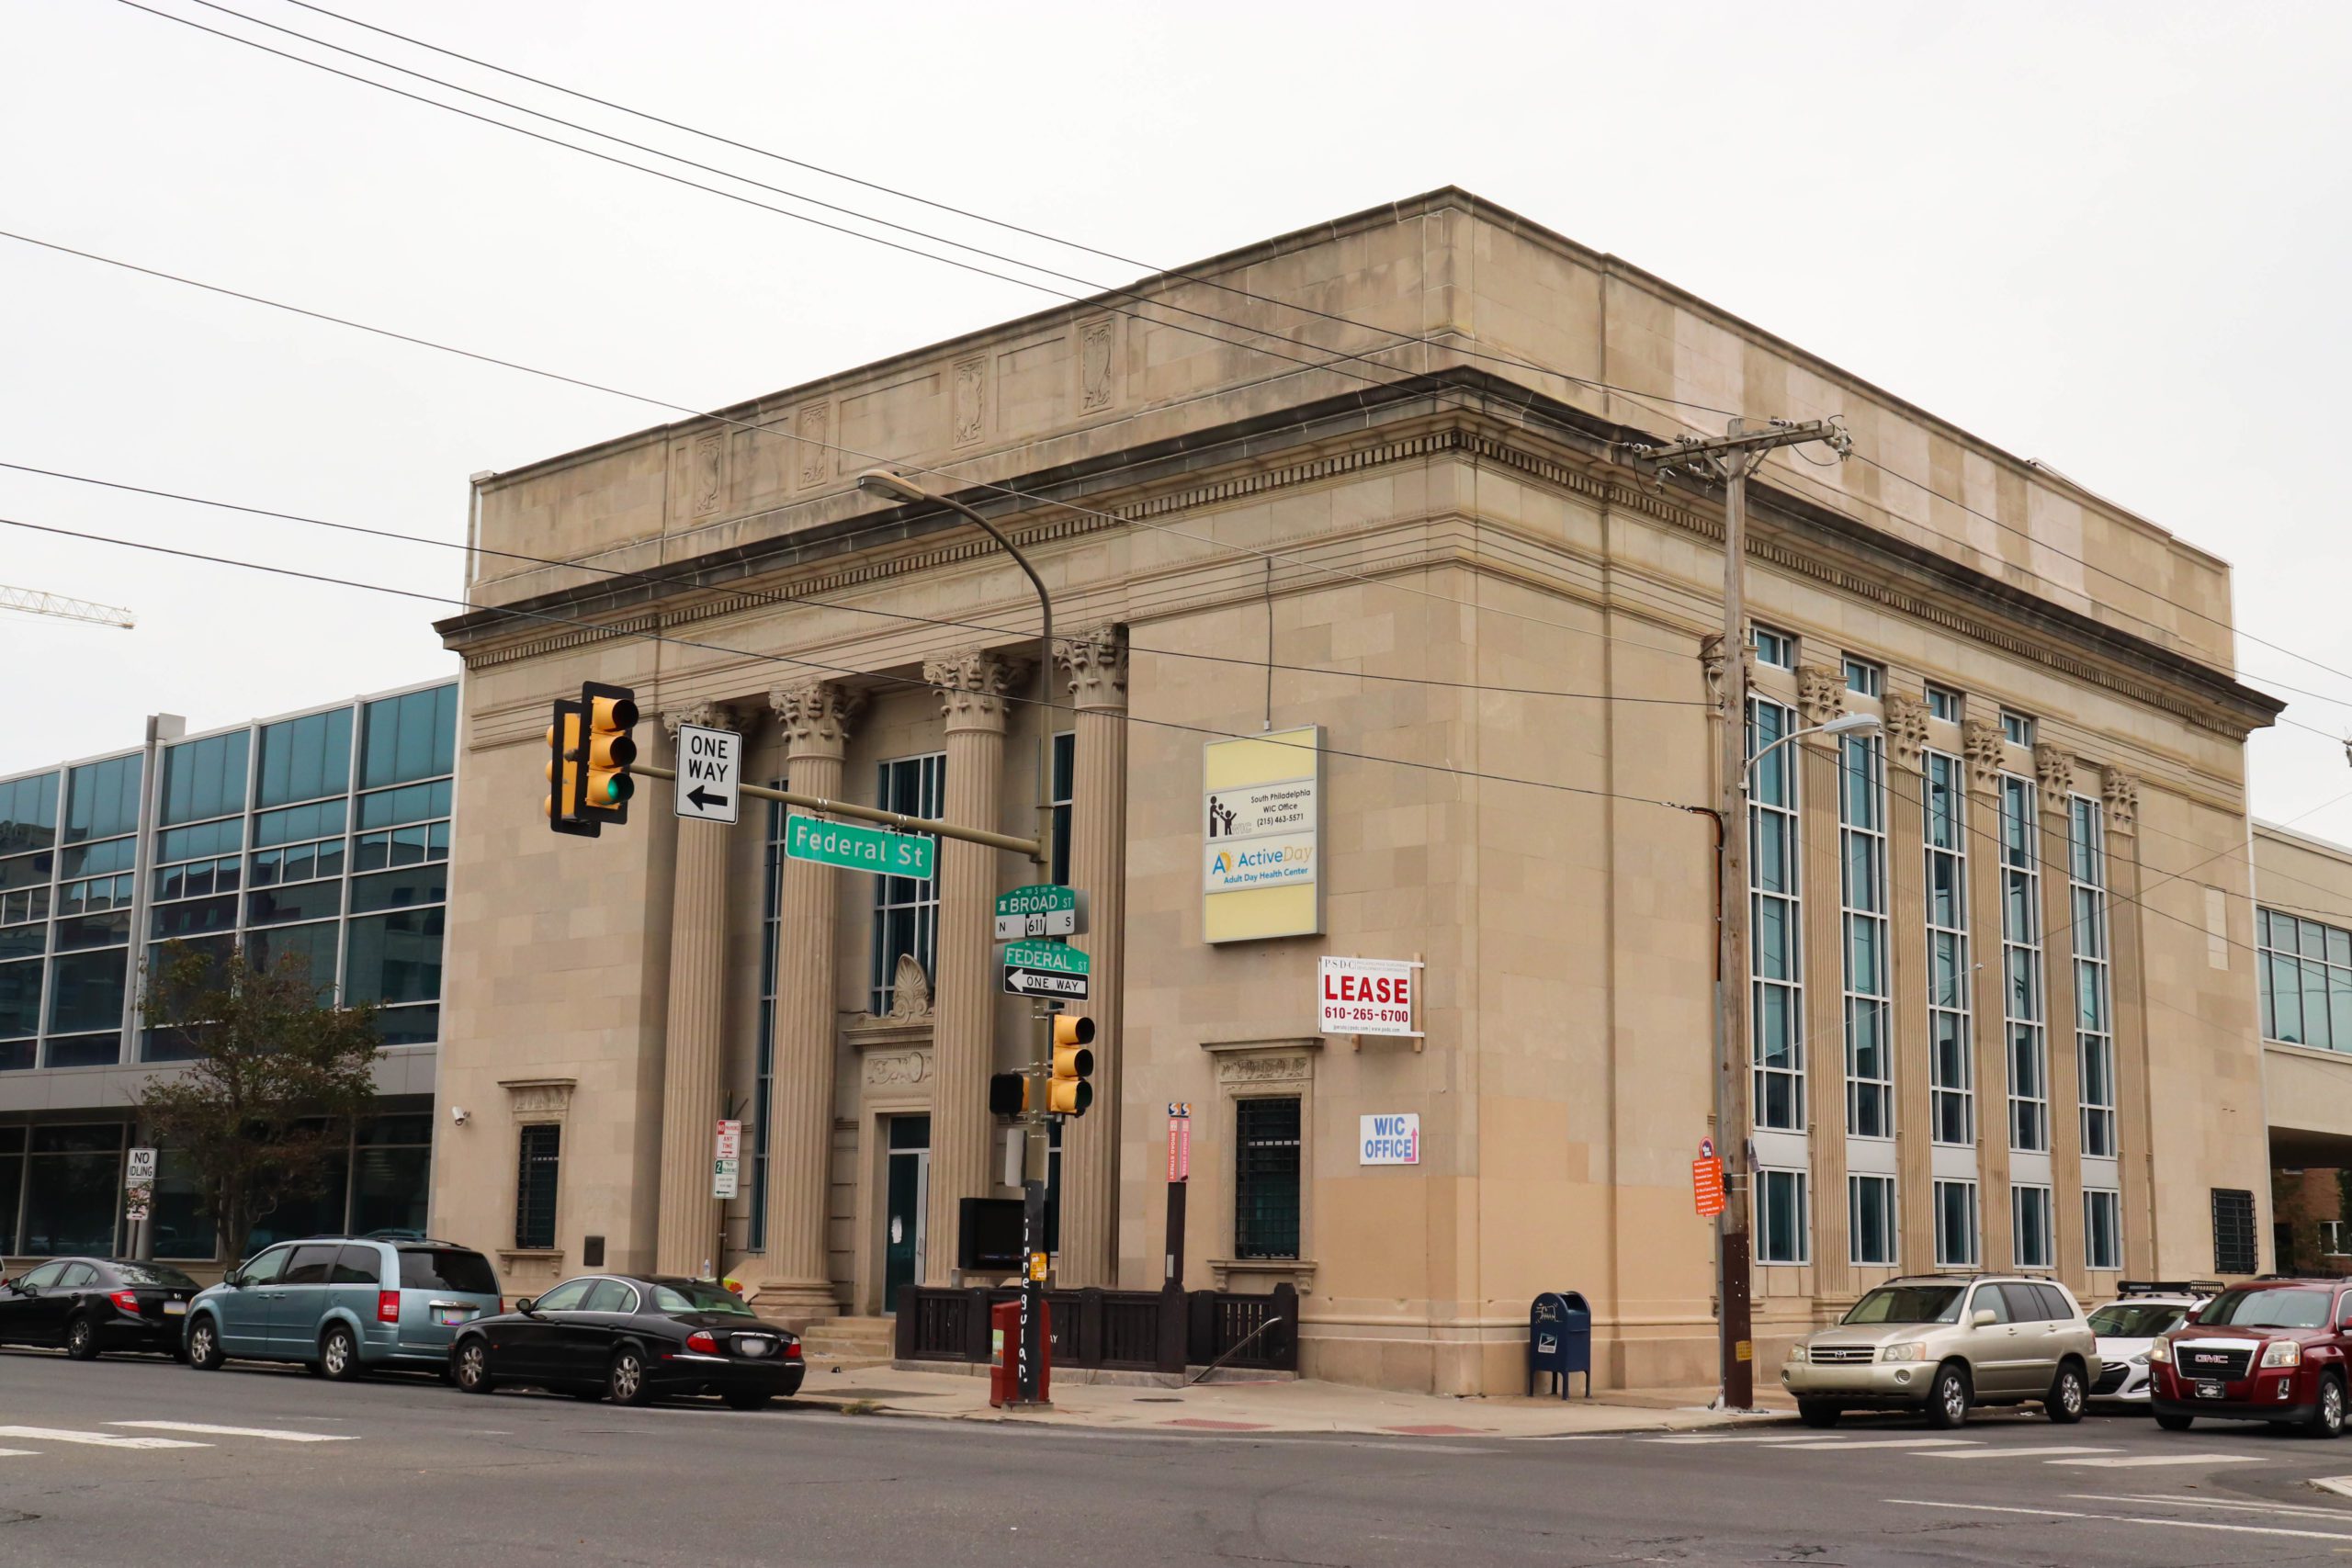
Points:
point(906, 1207)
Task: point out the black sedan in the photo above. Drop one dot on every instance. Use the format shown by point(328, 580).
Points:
point(632, 1340)
point(89, 1304)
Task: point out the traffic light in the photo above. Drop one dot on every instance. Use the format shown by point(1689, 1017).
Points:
point(565, 778)
point(611, 713)
point(1069, 1093)
point(1007, 1093)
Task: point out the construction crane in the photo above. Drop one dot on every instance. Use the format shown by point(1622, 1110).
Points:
point(33, 601)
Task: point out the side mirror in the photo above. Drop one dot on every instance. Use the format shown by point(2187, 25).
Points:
point(1983, 1317)
point(525, 1304)
point(234, 1279)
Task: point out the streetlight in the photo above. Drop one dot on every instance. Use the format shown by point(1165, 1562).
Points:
point(898, 487)
point(1735, 1384)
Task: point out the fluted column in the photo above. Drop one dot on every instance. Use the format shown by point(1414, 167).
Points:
point(1822, 697)
point(972, 688)
point(796, 1278)
point(2055, 770)
point(687, 1239)
point(1097, 664)
point(1906, 735)
point(1981, 738)
point(2134, 1109)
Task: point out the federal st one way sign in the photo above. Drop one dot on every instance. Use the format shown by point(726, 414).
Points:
point(1044, 969)
point(710, 770)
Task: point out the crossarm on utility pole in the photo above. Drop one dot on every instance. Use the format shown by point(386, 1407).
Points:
point(873, 814)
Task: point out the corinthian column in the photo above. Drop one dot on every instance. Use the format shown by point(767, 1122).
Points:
point(1097, 663)
point(795, 1280)
point(972, 688)
point(687, 1240)
point(1822, 697)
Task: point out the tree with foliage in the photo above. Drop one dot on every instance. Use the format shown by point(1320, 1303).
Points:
point(273, 1081)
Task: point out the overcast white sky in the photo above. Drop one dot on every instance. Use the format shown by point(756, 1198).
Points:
point(2109, 237)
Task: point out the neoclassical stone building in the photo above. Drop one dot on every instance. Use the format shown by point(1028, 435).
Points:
point(1370, 477)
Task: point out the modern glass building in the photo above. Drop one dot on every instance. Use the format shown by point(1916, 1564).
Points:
point(323, 835)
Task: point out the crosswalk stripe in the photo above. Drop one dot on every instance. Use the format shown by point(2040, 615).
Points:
point(95, 1440)
point(2022, 1453)
point(1880, 1443)
point(2168, 1500)
point(2140, 1462)
point(274, 1434)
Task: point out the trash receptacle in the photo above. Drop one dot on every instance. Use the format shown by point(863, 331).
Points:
point(1559, 1340)
point(1004, 1351)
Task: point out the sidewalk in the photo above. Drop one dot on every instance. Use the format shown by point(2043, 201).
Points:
point(1276, 1405)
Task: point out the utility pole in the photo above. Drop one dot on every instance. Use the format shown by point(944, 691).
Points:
point(1728, 460)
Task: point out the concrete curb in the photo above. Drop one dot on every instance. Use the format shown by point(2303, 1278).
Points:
point(1674, 1423)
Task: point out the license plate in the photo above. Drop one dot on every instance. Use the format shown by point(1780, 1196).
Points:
point(175, 1309)
point(755, 1347)
point(2208, 1390)
point(449, 1317)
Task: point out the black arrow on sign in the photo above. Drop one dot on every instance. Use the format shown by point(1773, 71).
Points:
point(704, 801)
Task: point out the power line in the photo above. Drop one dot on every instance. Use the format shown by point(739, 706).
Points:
point(1401, 339)
point(903, 464)
point(1334, 363)
point(1179, 275)
point(768, 597)
point(811, 664)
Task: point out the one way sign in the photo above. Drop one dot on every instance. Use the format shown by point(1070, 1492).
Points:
point(709, 769)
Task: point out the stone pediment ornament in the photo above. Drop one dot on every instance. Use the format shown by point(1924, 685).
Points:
point(1821, 694)
point(910, 989)
point(2055, 769)
point(1982, 740)
point(1906, 728)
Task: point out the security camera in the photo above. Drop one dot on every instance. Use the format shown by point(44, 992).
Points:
point(458, 1114)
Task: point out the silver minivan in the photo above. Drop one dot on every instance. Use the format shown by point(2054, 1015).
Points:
point(1941, 1343)
point(341, 1304)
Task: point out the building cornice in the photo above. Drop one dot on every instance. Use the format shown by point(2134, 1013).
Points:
point(1410, 421)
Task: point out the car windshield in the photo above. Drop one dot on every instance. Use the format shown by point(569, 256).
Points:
point(2258, 1308)
point(693, 1297)
point(152, 1274)
point(447, 1269)
point(2136, 1320)
point(1909, 1303)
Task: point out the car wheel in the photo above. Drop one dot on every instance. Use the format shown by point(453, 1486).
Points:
point(82, 1339)
point(626, 1380)
point(1814, 1413)
point(2327, 1411)
point(339, 1355)
point(1948, 1397)
point(204, 1346)
point(469, 1366)
point(2064, 1402)
point(748, 1401)
point(2172, 1422)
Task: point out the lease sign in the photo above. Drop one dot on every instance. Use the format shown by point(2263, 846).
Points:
point(1707, 1186)
point(1367, 996)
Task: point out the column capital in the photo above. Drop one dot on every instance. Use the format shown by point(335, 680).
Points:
point(816, 716)
point(706, 712)
point(1906, 729)
point(1982, 740)
point(1096, 661)
point(2121, 791)
point(973, 686)
point(1821, 696)
point(2054, 766)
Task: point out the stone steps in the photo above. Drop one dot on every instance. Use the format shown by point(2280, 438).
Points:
point(864, 1339)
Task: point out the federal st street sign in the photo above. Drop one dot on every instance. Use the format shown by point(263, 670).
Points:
point(876, 850)
point(1044, 908)
point(1044, 969)
point(709, 769)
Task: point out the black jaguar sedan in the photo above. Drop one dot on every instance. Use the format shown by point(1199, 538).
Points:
point(632, 1340)
point(89, 1304)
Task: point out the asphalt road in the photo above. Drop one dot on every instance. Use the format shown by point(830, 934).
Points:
point(420, 1474)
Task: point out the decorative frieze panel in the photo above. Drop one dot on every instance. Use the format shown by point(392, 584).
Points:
point(538, 1099)
point(971, 397)
point(1098, 369)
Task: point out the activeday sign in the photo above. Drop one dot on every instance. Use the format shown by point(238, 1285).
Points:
point(1389, 1140)
point(1261, 827)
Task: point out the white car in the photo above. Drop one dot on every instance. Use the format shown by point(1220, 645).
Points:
point(2127, 1326)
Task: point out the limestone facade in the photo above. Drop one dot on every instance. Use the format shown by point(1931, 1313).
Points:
point(1436, 549)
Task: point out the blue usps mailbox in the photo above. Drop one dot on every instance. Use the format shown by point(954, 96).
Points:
point(1559, 1340)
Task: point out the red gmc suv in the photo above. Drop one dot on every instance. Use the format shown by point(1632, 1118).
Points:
point(2271, 1351)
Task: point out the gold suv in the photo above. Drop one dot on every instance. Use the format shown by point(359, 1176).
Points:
point(1940, 1343)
